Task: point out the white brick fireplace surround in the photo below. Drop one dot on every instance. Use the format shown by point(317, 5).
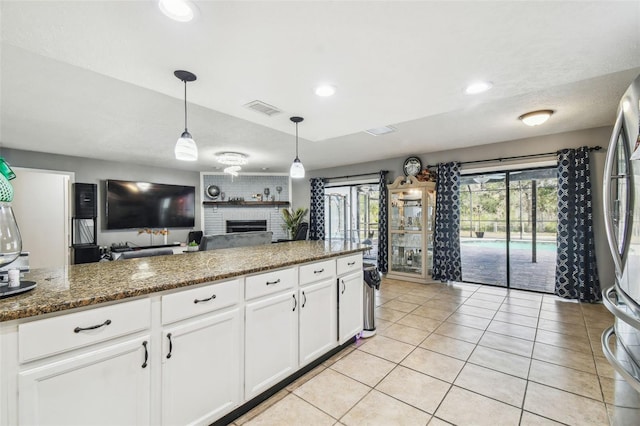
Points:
point(246, 186)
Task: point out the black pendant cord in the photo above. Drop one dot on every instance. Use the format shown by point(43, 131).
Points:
point(185, 105)
point(296, 141)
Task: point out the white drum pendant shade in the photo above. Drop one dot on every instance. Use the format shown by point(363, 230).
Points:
point(186, 148)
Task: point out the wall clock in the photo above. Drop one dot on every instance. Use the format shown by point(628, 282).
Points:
point(412, 166)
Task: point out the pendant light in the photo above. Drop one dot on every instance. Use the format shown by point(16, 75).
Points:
point(297, 169)
point(186, 149)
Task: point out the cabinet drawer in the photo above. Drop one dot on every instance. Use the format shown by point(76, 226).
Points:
point(317, 271)
point(59, 334)
point(349, 264)
point(189, 303)
point(269, 283)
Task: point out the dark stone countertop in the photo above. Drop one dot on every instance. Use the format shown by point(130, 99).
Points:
point(69, 287)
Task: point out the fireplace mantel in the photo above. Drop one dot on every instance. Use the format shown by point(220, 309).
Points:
point(246, 203)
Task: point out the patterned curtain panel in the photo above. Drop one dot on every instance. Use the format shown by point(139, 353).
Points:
point(316, 212)
point(576, 270)
point(446, 244)
point(383, 261)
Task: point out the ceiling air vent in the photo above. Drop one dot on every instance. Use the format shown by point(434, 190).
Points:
point(379, 131)
point(263, 108)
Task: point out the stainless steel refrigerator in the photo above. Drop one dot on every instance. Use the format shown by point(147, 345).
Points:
point(622, 220)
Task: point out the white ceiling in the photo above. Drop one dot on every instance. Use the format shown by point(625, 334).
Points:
point(95, 78)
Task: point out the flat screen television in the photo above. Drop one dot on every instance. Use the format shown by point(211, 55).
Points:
point(149, 205)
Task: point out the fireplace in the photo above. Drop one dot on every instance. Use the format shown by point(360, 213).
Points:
point(246, 225)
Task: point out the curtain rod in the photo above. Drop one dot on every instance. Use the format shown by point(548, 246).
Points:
point(500, 159)
point(358, 175)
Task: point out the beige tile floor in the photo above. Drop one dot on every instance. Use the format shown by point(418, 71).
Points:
point(464, 354)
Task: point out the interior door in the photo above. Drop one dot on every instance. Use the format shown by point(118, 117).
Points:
point(41, 206)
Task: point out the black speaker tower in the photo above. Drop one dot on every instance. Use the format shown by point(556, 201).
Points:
point(86, 200)
point(85, 196)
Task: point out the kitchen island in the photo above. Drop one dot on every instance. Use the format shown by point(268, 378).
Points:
point(182, 339)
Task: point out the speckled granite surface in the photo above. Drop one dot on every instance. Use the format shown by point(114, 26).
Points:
point(83, 285)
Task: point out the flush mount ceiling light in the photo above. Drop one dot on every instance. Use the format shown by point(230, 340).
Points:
point(232, 158)
point(178, 10)
point(325, 90)
point(186, 149)
point(379, 131)
point(297, 169)
point(535, 118)
point(478, 87)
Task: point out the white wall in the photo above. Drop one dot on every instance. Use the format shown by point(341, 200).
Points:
point(96, 171)
point(591, 137)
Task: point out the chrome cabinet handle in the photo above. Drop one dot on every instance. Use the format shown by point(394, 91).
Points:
point(273, 282)
point(319, 271)
point(344, 286)
point(305, 299)
point(93, 327)
point(633, 376)
point(295, 302)
point(610, 300)
point(351, 263)
point(204, 300)
point(146, 354)
point(170, 345)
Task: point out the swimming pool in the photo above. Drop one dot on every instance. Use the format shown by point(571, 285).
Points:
point(514, 245)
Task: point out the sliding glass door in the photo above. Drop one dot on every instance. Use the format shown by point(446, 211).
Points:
point(483, 229)
point(533, 207)
point(351, 213)
point(508, 228)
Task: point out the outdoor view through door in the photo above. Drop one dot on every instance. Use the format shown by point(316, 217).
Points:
point(351, 213)
point(508, 237)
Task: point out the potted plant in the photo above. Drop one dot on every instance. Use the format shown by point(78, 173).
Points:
point(293, 219)
point(192, 246)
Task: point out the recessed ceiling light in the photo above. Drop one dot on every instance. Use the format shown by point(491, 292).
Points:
point(535, 118)
point(178, 10)
point(325, 90)
point(478, 87)
point(379, 131)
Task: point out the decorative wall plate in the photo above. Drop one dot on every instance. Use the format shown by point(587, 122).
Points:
point(412, 166)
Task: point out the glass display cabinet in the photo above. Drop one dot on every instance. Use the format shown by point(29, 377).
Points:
point(411, 219)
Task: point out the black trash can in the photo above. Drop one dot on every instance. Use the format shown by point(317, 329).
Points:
point(371, 283)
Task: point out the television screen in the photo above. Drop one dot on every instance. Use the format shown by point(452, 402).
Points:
point(149, 205)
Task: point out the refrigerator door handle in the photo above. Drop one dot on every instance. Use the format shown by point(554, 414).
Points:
point(606, 196)
point(631, 375)
point(610, 300)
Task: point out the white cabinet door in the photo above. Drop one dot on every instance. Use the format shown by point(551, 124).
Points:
point(109, 386)
point(271, 341)
point(318, 320)
point(201, 369)
point(350, 305)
